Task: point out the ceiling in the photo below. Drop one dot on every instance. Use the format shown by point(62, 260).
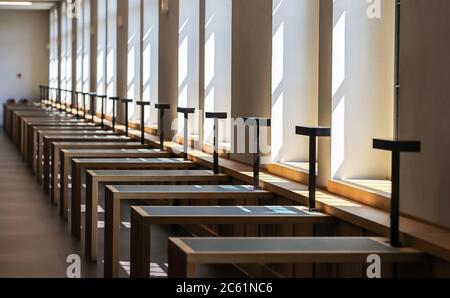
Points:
point(36, 5)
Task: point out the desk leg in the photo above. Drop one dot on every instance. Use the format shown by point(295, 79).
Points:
point(75, 209)
point(112, 235)
point(22, 148)
point(54, 178)
point(64, 185)
point(26, 144)
point(91, 228)
point(21, 139)
point(39, 158)
point(178, 263)
point(140, 247)
point(46, 167)
point(29, 149)
point(34, 158)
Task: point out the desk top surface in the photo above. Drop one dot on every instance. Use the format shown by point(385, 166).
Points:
point(152, 173)
point(58, 124)
point(283, 245)
point(132, 161)
point(74, 144)
point(86, 137)
point(113, 151)
point(228, 211)
point(191, 189)
point(68, 127)
point(79, 131)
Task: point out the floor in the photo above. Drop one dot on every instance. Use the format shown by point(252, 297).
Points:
point(35, 242)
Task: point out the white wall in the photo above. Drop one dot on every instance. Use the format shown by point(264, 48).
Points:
point(24, 36)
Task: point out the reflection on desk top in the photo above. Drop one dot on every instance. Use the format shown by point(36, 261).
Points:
point(76, 131)
point(93, 144)
point(83, 137)
point(133, 161)
point(232, 211)
point(112, 151)
point(187, 189)
point(148, 173)
point(300, 245)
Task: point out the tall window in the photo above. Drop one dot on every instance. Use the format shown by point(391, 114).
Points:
point(150, 51)
point(217, 64)
point(101, 46)
point(107, 50)
point(66, 51)
point(83, 47)
point(134, 56)
point(295, 61)
point(188, 61)
point(111, 50)
point(363, 84)
point(86, 14)
point(53, 71)
point(79, 49)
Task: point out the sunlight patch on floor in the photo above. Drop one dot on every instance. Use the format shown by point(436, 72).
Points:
point(155, 269)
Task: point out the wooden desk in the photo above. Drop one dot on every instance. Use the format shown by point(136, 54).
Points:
point(43, 147)
point(69, 154)
point(8, 111)
point(143, 217)
point(93, 178)
point(30, 143)
point(38, 139)
point(21, 124)
point(17, 117)
point(114, 195)
point(80, 165)
point(28, 125)
point(185, 254)
point(44, 150)
point(55, 157)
